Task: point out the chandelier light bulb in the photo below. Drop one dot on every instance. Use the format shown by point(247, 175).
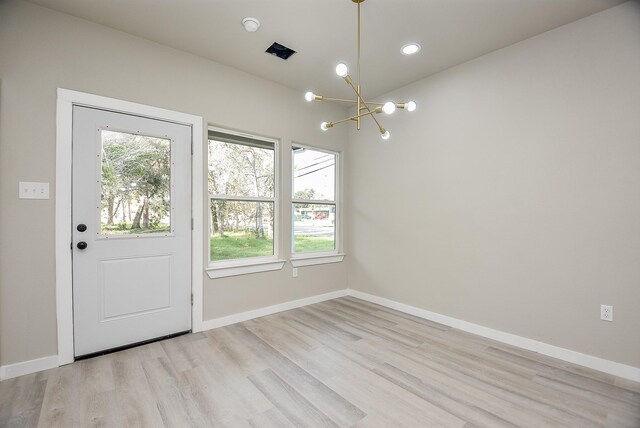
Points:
point(389, 107)
point(324, 126)
point(309, 96)
point(386, 135)
point(341, 69)
point(411, 106)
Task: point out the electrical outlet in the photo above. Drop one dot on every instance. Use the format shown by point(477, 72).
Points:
point(606, 312)
point(295, 272)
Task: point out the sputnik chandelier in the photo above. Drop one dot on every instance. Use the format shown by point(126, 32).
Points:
point(364, 108)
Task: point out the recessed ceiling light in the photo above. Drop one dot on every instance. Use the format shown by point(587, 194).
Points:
point(410, 49)
point(250, 24)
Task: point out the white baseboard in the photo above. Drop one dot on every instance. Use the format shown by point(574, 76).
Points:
point(596, 363)
point(27, 367)
point(261, 312)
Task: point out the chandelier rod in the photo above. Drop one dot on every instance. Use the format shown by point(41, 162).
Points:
point(347, 79)
point(358, 72)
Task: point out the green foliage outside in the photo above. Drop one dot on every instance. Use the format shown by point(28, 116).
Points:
point(312, 244)
point(238, 245)
point(127, 228)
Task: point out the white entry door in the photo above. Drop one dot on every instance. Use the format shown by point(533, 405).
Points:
point(131, 229)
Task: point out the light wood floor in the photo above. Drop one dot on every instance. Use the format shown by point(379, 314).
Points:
point(343, 362)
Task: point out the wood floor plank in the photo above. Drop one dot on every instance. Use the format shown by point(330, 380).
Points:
point(515, 383)
point(361, 327)
point(588, 383)
point(339, 363)
point(59, 406)
point(287, 400)
point(470, 387)
point(171, 398)
point(473, 392)
point(342, 412)
point(22, 407)
point(231, 383)
point(403, 408)
point(344, 307)
point(215, 403)
point(7, 399)
point(272, 418)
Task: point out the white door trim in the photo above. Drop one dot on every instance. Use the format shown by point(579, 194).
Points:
point(64, 118)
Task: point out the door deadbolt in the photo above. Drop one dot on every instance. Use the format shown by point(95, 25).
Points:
point(82, 227)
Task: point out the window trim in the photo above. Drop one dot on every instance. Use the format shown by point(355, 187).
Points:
point(311, 259)
point(319, 257)
point(233, 267)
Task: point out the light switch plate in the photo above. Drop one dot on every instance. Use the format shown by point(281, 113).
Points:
point(32, 190)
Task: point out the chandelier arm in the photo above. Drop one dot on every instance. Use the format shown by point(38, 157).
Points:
point(342, 100)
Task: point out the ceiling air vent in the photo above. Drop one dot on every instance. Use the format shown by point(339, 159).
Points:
point(280, 51)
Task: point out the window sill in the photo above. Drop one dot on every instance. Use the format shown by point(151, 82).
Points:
point(244, 268)
point(316, 259)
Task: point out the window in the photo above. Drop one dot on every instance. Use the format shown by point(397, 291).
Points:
point(243, 198)
point(315, 207)
point(135, 189)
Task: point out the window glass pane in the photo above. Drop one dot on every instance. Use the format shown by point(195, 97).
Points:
point(314, 174)
point(241, 169)
point(135, 186)
point(314, 227)
point(241, 229)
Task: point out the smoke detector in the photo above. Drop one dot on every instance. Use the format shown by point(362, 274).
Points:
point(251, 24)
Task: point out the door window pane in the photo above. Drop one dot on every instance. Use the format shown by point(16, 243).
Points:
point(241, 229)
point(135, 187)
point(314, 227)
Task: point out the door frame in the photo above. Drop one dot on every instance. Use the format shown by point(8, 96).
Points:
point(66, 99)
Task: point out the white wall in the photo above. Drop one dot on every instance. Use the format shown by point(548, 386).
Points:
point(41, 50)
point(511, 197)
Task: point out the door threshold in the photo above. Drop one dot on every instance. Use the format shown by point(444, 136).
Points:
point(131, 345)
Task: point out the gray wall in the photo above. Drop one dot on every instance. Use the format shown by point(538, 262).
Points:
point(41, 50)
point(511, 197)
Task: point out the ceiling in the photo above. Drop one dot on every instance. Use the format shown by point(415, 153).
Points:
point(323, 32)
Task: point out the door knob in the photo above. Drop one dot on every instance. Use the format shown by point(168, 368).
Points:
point(82, 245)
point(81, 227)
